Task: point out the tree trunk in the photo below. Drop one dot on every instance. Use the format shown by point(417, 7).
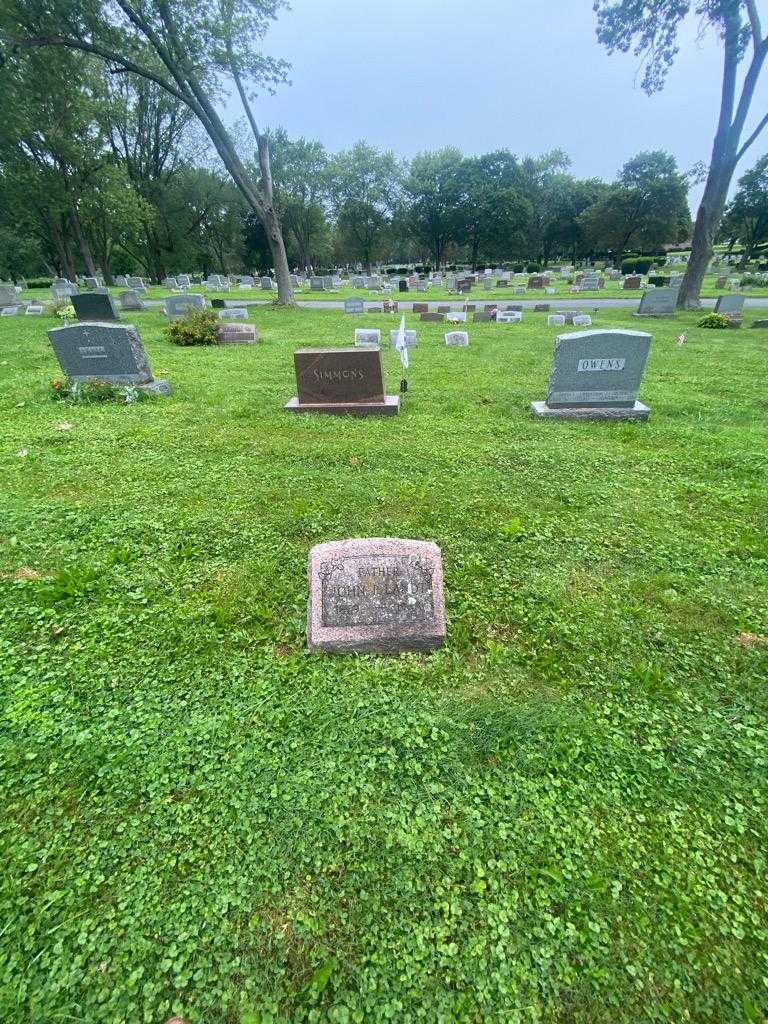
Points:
point(708, 219)
point(82, 242)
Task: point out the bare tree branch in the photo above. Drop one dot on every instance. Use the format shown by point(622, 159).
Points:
point(752, 137)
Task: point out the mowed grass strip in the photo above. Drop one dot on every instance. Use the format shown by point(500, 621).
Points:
point(560, 816)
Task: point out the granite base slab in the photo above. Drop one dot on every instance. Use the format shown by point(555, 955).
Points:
point(155, 387)
point(637, 412)
point(389, 407)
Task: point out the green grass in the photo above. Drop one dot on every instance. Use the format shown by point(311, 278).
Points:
point(559, 817)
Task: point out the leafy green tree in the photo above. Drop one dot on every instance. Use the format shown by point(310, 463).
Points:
point(646, 207)
point(565, 234)
point(747, 215)
point(113, 214)
point(189, 50)
point(494, 212)
point(364, 185)
point(434, 190)
point(651, 27)
point(301, 171)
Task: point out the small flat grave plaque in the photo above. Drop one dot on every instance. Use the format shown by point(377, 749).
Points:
point(367, 337)
point(410, 339)
point(458, 339)
point(376, 595)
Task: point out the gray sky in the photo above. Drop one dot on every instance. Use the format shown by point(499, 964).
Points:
point(409, 75)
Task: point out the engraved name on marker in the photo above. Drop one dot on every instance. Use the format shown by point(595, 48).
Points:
point(597, 365)
point(381, 591)
point(92, 351)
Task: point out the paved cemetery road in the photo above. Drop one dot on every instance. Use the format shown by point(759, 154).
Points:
point(556, 303)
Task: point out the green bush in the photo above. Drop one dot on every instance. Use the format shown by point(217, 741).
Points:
point(198, 327)
point(715, 321)
point(40, 282)
point(751, 279)
point(637, 265)
point(532, 268)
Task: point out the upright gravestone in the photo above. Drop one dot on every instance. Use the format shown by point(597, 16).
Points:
point(596, 375)
point(177, 306)
point(8, 296)
point(316, 284)
point(354, 306)
point(730, 305)
point(341, 381)
point(632, 283)
point(266, 284)
point(402, 285)
point(108, 352)
point(658, 302)
point(131, 300)
point(137, 284)
point(170, 282)
point(380, 595)
point(121, 281)
point(94, 306)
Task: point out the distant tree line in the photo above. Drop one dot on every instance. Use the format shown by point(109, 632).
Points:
point(113, 174)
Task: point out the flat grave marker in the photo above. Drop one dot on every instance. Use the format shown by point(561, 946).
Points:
point(380, 594)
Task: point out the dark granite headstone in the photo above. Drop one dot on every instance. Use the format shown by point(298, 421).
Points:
point(341, 380)
point(402, 286)
point(94, 306)
point(379, 594)
point(109, 352)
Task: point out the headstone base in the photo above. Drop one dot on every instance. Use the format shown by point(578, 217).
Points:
point(656, 316)
point(154, 387)
point(389, 407)
point(637, 412)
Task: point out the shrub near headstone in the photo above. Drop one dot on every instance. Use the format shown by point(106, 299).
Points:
point(596, 375)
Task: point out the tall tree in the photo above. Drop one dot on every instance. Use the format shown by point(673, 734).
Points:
point(186, 47)
point(645, 208)
point(747, 215)
point(652, 26)
point(434, 190)
point(494, 212)
point(364, 184)
point(301, 175)
point(543, 181)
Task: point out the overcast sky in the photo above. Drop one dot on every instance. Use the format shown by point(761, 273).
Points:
point(410, 75)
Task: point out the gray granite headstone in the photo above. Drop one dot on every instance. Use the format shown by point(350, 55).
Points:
point(354, 306)
point(316, 284)
point(596, 375)
point(94, 306)
point(109, 352)
point(658, 302)
point(458, 339)
point(8, 296)
point(365, 337)
point(730, 305)
point(131, 300)
point(177, 306)
point(266, 284)
point(375, 595)
point(233, 313)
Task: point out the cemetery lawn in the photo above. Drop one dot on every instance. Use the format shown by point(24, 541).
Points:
point(612, 290)
point(561, 816)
